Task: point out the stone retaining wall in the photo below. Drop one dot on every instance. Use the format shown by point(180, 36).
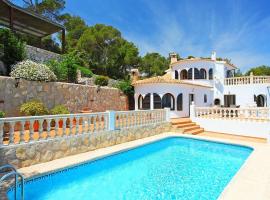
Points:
point(23, 155)
point(74, 96)
point(40, 55)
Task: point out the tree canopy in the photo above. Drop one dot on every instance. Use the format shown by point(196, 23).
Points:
point(262, 70)
point(154, 64)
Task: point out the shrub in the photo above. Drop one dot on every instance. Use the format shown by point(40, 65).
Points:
point(85, 72)
point(102, 80)
point(33, 108)
point(32, 71)
point(126, 87)
point(2, 114)
point(59, 69)
point(59, 110)
point(13, 48)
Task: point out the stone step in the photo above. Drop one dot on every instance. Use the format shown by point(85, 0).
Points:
point(181, 122)
point(196, 131)
point(190, 128)
point(185, 125)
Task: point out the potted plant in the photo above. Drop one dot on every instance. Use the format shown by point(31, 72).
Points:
point(59, 110)
point(33, 108)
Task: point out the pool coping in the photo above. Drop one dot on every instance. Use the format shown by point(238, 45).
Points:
point(251, 182)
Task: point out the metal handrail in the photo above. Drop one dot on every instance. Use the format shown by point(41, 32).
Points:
point(16, 174)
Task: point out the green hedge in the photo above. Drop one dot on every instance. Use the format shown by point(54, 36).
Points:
point(102, 80)
point(85, 71)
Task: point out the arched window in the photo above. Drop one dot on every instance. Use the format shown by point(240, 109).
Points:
point(144, 103)
point(168, 101)
point(217, 102)
point(184, 74)
point(180, 102)
point(202, 74)
point(196, 73)
point(190, 73)
point(229, 74)
point(205, 98)
point(261, 100)
point(176, 75)
point(210, 74)
point(157, 101)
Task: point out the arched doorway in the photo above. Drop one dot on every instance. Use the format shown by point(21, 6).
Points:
point(184, 74)
point(202, 73)
point(168, 101)
point(217, 102)
point(261, 100)
point(157, 101)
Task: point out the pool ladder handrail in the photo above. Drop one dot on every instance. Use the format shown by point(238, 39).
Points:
point(13, 172)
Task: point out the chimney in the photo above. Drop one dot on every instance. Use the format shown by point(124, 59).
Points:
point(173, 57)
point(134, 75)
point(214, 55)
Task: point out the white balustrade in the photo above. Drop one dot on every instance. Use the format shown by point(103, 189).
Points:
point(247, 80)
point(17, 130)
point(128, 119)
point(233, 113)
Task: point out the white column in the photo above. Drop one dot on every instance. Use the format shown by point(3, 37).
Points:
point(136, 101)
point(167, 111)
point(111, 122)
point(193, 75)
point(192, 110)
point(151, 101)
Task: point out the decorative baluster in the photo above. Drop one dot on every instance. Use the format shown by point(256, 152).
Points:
point(31, 129)
point(94, 124)
point(1, 133)
point(11, 132)
point(83, 125)
point(89, 124)
point(127, 120)
point(48, 128)
point(64, 128)
point(56, 128)
point(40, 128)
point(77, 125)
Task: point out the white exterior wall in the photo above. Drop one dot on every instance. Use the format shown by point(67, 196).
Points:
point(175, 89)
point(245, 93)
point(236, 127)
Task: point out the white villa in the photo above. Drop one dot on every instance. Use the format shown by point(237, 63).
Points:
point(206, 82)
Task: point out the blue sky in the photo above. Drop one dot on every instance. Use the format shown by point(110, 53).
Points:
point(237, 29)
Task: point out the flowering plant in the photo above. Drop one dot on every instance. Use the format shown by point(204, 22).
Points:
point(32, 71)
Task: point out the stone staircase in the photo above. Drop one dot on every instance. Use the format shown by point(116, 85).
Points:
point(187, 126)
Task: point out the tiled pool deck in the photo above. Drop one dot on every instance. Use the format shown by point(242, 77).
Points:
point(251, 182)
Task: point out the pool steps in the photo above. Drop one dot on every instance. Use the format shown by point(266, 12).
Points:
point(187, 126)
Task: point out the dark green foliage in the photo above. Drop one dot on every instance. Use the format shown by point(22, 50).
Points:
point(59, 69)
point(85, 72)
point(259, 71)
point(107, 52)
point(49, 8)
point(13, 48)
point(189, 57)
point(126, 87)
point(71, 66)
point(153, 64)
point(102, 80)
point(2, 114)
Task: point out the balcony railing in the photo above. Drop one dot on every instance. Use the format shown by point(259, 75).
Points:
point(258, 114)
point(17, 130)
point(247, 80)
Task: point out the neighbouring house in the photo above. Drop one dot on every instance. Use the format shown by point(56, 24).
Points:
point(206, 82)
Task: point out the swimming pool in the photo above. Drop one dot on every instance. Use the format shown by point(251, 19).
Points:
point(172, 168)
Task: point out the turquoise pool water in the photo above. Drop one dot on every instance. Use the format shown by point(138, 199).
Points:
point(173, 168)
